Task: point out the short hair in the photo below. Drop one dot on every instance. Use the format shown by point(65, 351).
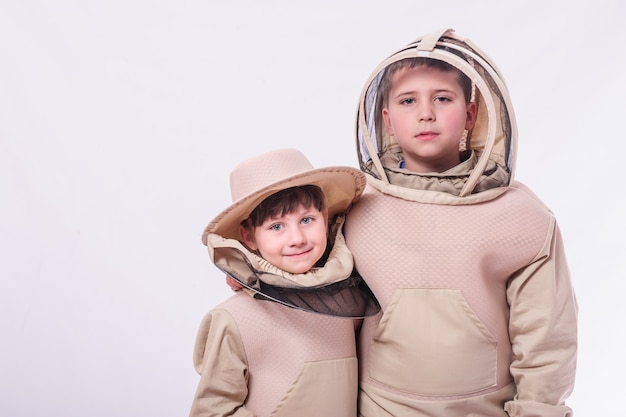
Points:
point(286, 201)
point(409, 63)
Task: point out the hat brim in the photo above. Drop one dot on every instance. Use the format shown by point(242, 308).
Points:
point(341, 185)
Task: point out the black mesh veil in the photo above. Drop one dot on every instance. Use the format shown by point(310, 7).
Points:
point(350, 298)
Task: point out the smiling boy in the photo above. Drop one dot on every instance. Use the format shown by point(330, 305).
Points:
point(289, 229)
point(285, 346)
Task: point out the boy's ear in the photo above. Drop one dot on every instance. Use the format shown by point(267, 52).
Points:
point(248, 238)
point(472, 111)
point(387, 122)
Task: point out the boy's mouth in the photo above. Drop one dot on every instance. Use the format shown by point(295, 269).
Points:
point(426, 135)
point(298, 254)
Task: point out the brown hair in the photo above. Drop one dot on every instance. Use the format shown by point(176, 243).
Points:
point(286, 201)
point(408, 63)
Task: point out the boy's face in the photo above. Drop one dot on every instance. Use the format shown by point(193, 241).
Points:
point(293, 242)
point(426, 112)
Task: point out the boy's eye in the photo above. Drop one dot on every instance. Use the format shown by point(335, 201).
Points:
point(442, 99)
point(307, 220)
point(407, 101)
point(276, 226)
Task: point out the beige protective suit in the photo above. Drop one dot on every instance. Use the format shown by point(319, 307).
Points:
point(260, 358)
point(479, 317)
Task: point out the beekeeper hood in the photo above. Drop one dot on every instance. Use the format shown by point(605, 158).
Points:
point(492, 139)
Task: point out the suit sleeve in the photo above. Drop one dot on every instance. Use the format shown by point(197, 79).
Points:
point(543, 330)
point(219, 358)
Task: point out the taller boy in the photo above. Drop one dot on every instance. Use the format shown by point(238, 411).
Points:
point(479, 315)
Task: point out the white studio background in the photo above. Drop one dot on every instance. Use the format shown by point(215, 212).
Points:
point(121, 120)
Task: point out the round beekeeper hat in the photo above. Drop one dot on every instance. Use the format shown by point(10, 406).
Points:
point(255, 179)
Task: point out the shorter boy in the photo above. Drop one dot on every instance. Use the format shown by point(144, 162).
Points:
point(281, 239)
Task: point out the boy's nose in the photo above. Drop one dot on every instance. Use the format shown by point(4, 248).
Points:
point(425, 114)
point(296, 237)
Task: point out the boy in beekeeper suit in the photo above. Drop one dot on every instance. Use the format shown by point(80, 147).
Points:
point(479, 317)
point(285, 346)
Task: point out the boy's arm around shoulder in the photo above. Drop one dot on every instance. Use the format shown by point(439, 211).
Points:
point(543, 331)
point(219, 358)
